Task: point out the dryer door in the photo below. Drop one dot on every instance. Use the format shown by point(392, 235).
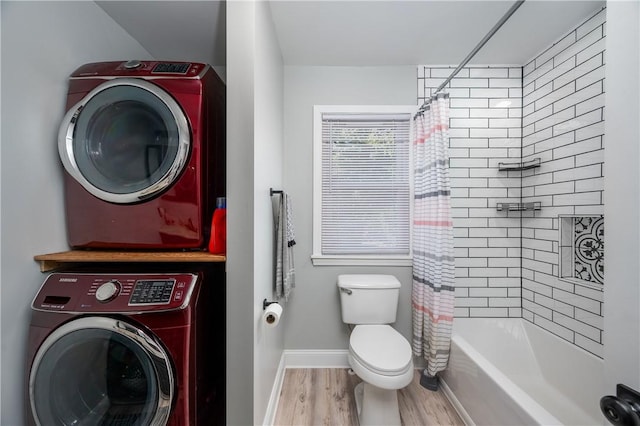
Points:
point(101, 371)
point(126, 141)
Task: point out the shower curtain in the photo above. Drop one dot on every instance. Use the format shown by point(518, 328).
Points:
point(433, 262)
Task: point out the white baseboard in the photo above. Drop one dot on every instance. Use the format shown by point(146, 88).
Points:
point(446, 390)
point(270, 414)
point(313, 358)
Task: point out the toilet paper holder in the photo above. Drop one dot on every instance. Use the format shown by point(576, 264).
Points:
point(622, 409)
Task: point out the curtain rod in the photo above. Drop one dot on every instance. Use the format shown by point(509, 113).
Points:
point(475, 50)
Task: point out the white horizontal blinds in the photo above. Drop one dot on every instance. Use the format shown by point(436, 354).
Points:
point(365, 184)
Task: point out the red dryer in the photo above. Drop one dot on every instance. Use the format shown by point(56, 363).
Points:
point(127, 348)
point(143, 147)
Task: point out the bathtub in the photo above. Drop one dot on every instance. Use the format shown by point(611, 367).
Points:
point(507, 371)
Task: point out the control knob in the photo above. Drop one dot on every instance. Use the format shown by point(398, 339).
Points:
point(107, 291)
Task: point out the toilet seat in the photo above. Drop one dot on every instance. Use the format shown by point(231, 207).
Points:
point(381, 349)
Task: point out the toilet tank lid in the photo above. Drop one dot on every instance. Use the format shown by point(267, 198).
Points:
point(367, 281)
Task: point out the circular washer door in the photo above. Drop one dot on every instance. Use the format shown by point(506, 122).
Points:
point(101, 371)
point(126, 141)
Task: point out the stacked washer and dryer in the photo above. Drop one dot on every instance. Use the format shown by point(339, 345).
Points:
point(143, 149)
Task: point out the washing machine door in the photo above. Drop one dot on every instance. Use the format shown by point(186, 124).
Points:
point(126, 141)
point(101, 371)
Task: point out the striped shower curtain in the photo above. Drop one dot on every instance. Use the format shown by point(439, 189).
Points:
point(432, 295)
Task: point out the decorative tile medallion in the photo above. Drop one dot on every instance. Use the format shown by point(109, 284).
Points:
point(588, 235)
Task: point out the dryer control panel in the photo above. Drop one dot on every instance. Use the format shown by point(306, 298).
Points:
point(125, 293)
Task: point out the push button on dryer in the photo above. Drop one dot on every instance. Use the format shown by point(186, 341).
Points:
point(107, 291)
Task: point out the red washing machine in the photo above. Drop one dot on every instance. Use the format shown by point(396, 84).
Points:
point(126, 349)
point(143, 147)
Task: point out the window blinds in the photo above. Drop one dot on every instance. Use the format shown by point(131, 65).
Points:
point(365, 184)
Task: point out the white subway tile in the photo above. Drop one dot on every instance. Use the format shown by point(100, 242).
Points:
point(469, 183)
point(538, 310)
point(560, 140)
point(536, 244)
point(505, 262)
point(488, 192)
point(504, 143)
point(461, 292)
point(590, 293)
point(554, 188)
point(504, 282)
point(536, 137)
point(459, 113)
point(488, 292)
point(573, 98)
point(487, 252)
point(578, 122)
point(593, 157)
point(504, 242)
point(476, 262)
point(470, 82)
point(432, 83)
point(597, 20)
point(468, 162)
point(488, 133)
point(504, 222)
point(503, 301)
point(469, 103)
point(554, 328)
point(580, 45)
point(505, 82)
point(472, 301)
point(596, 129)
point(555, 119)
point(468, 143)
point(594, 103)
point(489, 72)
point(446, 72)
point(458, 172)
point(468, 202)
point(591, 51)
point(545, 256)
point(527, 315)
point(458, 92)
point(461, 272)
point(461, 312)
point(578, 71)
point(585, 185)
point(460, 233)
point(470, 223)
point(554, 305)
point(555, 96)
point(592, 319)
point(515, 92)
point(590, 78)
point(589, 210)
point(469, 122)
point(537, 287)
point(511, 302)
point(537, 115)
point(489, 112)
point(504, 122)
point(537, 266)
point(459, 212)
point(557, 47)
point(540, 70)
point(577, 326)
point(585, 172)
point(489, 93)
point(486, 212)
point(537, 94)
point(528, 68)
point(515, 72)
point(589, 345)
point(556, 73)
point(458, 133)
point(488, 312)
point(471, 282)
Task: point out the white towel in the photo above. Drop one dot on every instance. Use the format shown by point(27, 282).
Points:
point(285, 240)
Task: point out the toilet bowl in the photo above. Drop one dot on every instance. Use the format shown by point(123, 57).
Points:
point(382, 358)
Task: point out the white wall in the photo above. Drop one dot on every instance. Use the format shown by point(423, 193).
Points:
point(314, 310)
point(622, 200)
point(254, 156)
point(42, 43)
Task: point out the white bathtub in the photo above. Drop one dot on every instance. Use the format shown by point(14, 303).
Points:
point(511, 372)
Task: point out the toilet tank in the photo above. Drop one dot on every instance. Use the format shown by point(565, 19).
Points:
point(368, 299)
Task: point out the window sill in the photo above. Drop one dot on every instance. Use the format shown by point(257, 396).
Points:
point(320, 260)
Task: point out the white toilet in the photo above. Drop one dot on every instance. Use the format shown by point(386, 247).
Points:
point(378, 354)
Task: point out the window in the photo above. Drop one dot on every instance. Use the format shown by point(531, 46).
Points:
point(362, 185)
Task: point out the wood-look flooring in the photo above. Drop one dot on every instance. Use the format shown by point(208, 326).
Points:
point(324, 396)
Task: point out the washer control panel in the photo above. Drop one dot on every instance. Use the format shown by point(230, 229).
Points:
point(97, 293)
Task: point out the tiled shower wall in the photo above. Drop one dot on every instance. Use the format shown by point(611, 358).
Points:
point(563, 113)
point(485, 129)
point(551, 108)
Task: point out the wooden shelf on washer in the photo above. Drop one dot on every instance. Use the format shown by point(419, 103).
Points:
point(49, 262)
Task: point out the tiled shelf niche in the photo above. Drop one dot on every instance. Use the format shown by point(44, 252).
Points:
point(581, 255)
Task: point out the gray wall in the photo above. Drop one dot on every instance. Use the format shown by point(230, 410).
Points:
point(254, 159)
point(621, 183)
point(313, 314)
point(42, 43)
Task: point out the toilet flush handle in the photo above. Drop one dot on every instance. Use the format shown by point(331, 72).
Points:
point(346, 290)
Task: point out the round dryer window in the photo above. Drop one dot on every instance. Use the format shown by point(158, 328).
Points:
point(126, 141)
point(99, 370)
